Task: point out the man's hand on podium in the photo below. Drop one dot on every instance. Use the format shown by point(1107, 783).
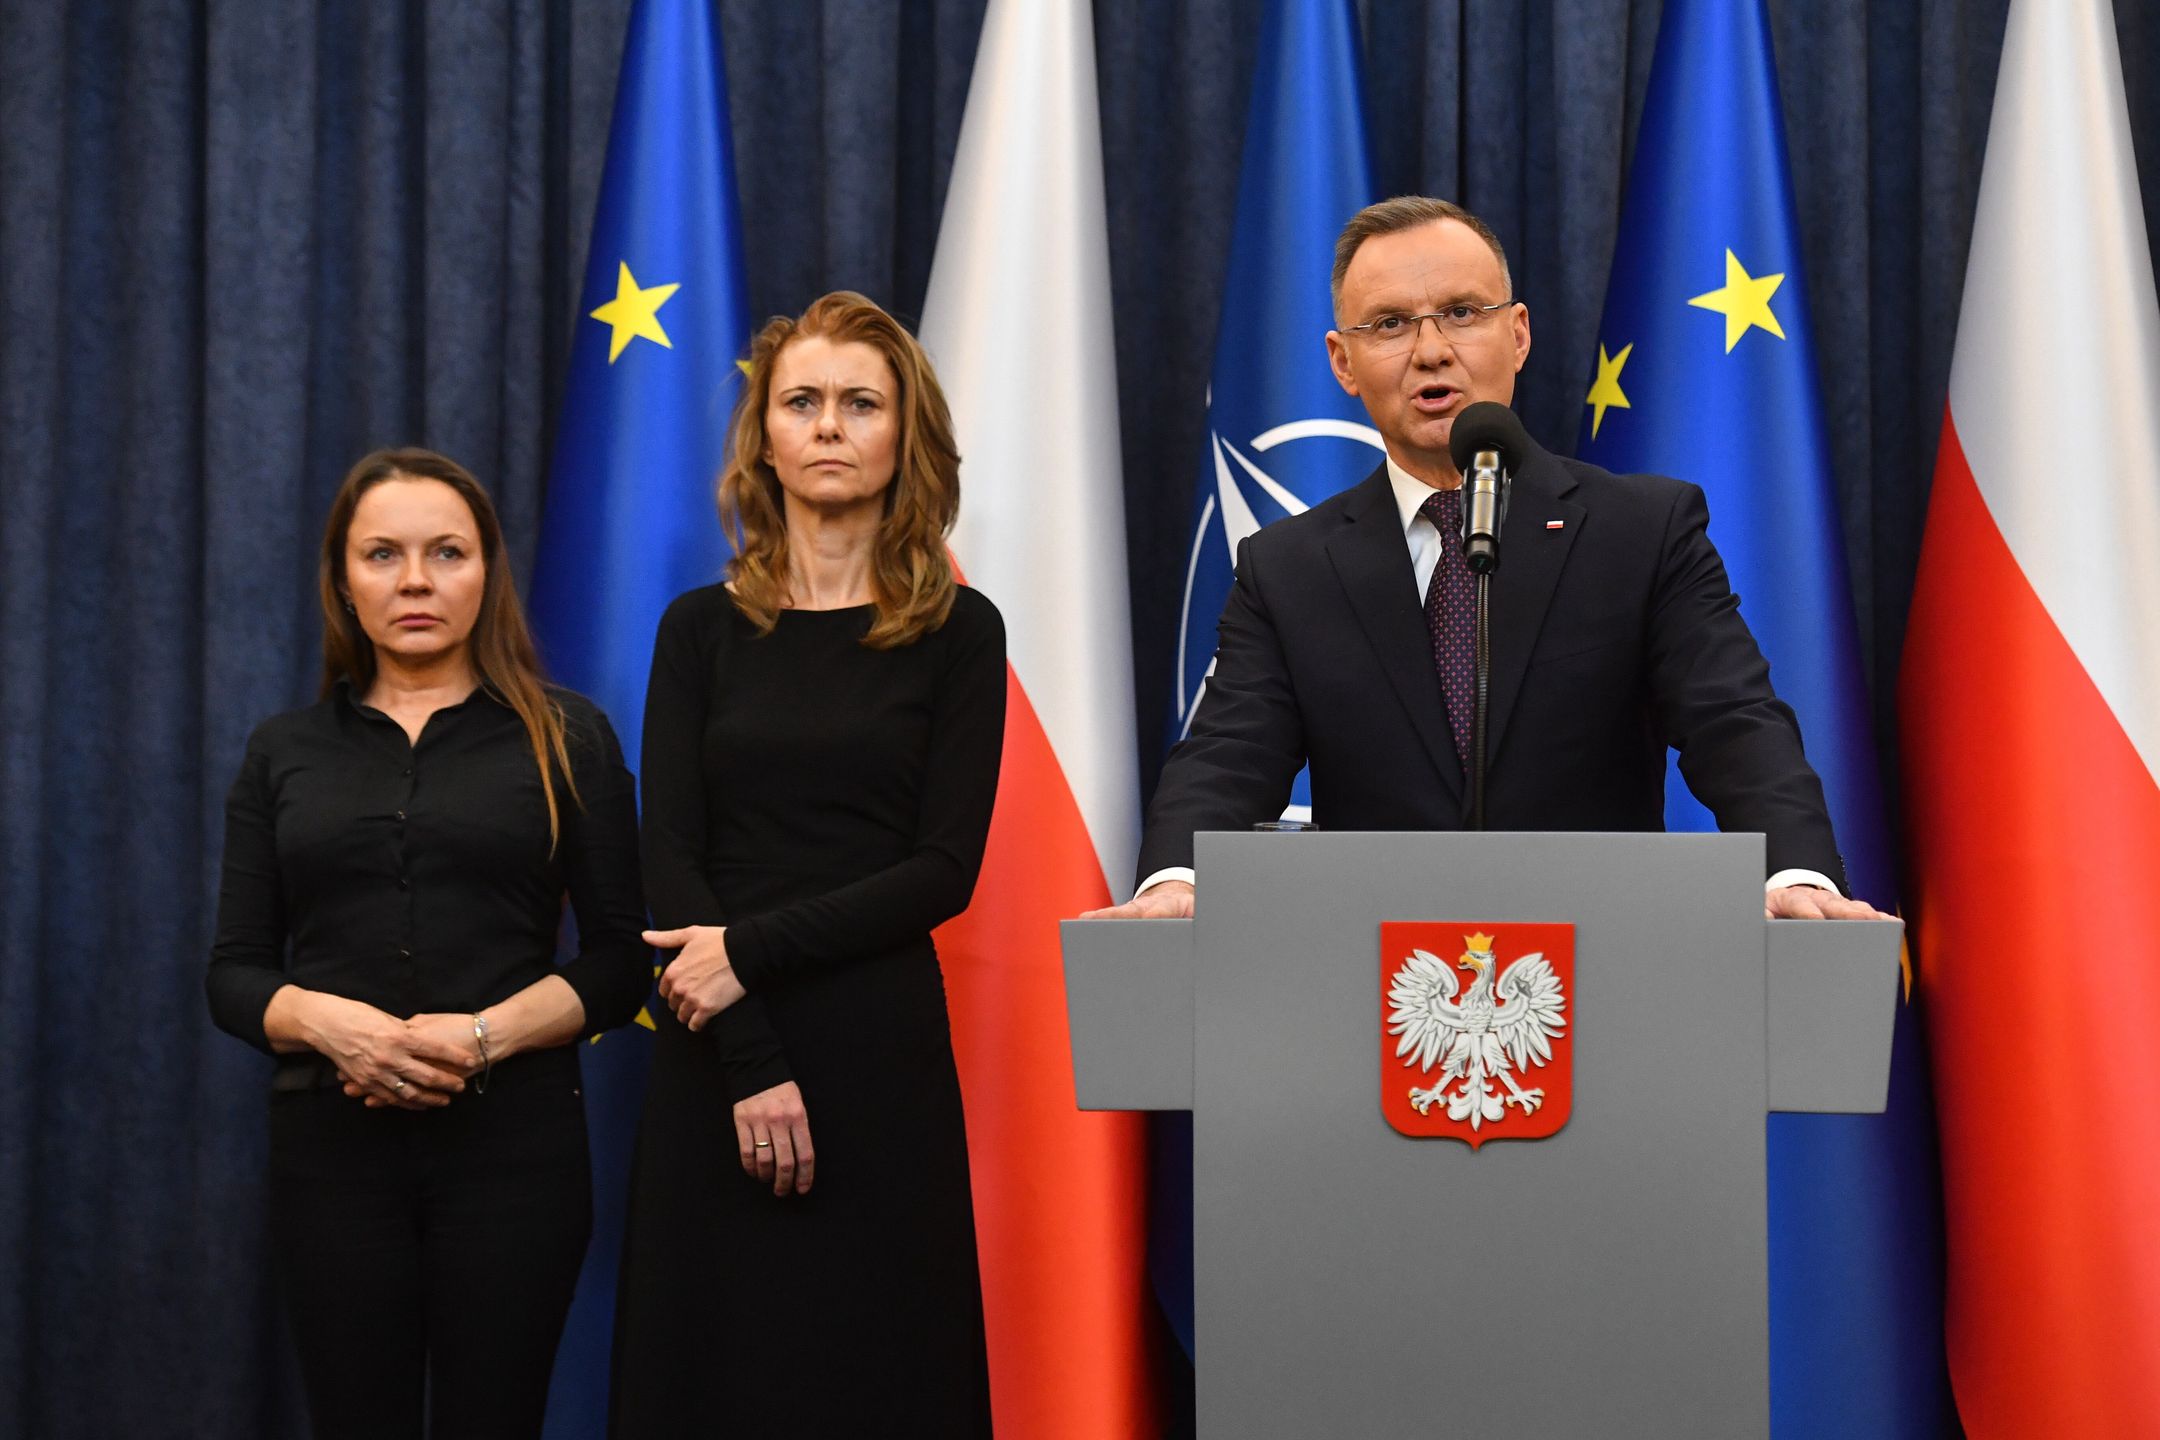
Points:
point(1173, 900)
point(1808, 902)
point(1166, 900)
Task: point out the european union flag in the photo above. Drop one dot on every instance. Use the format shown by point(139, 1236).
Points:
point(1282, 435)
point(1706, 371)
point(630, 518)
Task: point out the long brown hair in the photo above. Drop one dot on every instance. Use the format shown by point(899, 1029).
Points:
point(500, 644)
point(910, 572)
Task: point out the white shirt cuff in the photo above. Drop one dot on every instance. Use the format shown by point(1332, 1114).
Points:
point(1172, 872)
point(1802, 877)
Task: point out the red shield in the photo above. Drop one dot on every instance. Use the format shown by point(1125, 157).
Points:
point(1476, 1029)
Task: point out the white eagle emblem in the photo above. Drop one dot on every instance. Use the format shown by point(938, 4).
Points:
point(1493, 1034)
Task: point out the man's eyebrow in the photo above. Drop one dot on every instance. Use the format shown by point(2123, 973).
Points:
point(1459, 297)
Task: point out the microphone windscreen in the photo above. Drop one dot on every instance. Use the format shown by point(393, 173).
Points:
point(1487, 425)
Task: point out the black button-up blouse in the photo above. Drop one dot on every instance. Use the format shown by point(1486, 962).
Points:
point(417, 877)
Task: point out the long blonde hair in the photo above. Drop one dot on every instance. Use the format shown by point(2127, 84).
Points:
point(911, 574)
point(501, 644)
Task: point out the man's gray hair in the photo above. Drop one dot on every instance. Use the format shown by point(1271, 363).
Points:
point(1406, 212)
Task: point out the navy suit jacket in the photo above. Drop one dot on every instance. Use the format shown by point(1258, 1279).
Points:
point(1614, 634)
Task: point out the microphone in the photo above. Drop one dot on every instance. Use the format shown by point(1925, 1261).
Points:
point(1486, 443)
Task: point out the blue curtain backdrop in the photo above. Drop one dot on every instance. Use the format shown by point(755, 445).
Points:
point(242, 243)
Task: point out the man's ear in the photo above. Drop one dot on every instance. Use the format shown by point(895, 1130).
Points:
point(1522, 336)
point(1338, 359)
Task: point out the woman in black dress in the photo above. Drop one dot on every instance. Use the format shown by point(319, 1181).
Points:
point(396, 860)
point(822, 737)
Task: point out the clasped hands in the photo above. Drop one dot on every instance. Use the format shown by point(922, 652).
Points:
point(416, 1064)
point(700, 981)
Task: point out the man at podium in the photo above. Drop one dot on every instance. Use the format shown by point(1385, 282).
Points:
point(1346, 641)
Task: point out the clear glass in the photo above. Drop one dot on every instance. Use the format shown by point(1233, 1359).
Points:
point(1285, 827)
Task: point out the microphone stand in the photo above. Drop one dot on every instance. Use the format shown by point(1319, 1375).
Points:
point(1484, 515)
point(1481, 663)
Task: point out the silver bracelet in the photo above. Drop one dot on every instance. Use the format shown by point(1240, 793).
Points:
point(487, 1066)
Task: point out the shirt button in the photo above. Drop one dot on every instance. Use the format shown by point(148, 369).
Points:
point(399, 817)
point(403, 883)
point(408, 772)
point(404, 954)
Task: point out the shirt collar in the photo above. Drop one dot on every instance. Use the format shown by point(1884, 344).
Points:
point(344, 692)
point(1410, 493)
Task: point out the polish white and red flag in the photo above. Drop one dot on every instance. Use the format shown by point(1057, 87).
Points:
point(1017, 321)
point(2029, 703)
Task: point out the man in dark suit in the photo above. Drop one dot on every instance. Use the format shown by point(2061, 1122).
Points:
point(1345, 639)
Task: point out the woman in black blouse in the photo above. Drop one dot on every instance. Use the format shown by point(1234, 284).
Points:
point(822, 737)
point(396, 858)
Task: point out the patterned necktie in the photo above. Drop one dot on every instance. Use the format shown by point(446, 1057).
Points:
point(1450, 602)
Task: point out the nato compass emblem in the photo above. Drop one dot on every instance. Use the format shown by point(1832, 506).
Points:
point(1280, 472)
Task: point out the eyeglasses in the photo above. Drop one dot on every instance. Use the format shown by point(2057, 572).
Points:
point(1385, 334)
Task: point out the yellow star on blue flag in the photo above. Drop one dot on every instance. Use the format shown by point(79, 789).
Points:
point(1744, 301)
point(634, 313)
point(1605, 392)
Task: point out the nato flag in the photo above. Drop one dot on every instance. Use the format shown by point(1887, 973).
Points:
point(630, 520)
point(1705, 370)
point(1282, 435)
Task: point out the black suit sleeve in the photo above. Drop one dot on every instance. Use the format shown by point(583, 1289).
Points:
point(906, 900)
point(1739, 744)
point(1236, 765)
point(675, 827)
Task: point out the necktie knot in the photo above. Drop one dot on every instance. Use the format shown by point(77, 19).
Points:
point(1444, 509)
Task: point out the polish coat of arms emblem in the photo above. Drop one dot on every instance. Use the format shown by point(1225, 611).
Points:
point(1475, 1040)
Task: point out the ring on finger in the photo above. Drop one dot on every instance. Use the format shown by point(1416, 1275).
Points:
point(397, 1083)
point(762, 1144)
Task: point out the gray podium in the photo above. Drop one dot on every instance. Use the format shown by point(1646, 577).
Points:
point(1608, 1280)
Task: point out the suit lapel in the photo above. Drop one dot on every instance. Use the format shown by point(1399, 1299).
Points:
point(1531, 557)
point(1372, 560)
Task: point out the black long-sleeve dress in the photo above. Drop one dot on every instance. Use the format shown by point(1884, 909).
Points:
point(827, 803)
